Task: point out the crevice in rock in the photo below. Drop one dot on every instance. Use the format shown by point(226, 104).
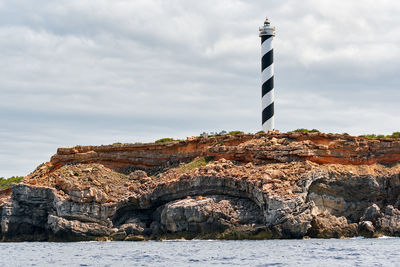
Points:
point(350, 196)
point(198, 215)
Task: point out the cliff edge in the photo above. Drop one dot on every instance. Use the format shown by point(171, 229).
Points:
point(276, 185)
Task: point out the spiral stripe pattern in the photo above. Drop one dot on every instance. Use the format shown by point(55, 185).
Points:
point(267, 80)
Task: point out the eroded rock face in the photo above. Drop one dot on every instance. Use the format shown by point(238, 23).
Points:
point(249, 186)
point(26, 213)
point(328, 226)
point(209, 214)
point(260, 148)
point(389, 223)
point(70, 229)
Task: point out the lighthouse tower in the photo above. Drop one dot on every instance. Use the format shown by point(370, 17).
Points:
point(267, 34)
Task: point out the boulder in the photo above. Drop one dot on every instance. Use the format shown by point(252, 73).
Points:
point(389, 223)
point(66, 228)
point(138, 175)
point(366, 229)
point(135, 229)
point(327, 226)
point(371, 213)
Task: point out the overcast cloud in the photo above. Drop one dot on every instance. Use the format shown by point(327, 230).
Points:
point(97, 72)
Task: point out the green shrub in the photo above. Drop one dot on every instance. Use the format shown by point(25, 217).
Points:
point(117, 143)
point(368, 135)
point(211, 134)
point(235, 132)
point(393, 135)
point(303, 130)
point(6, 183)
point(196, 163)
point(165, 140)
point(260, 132)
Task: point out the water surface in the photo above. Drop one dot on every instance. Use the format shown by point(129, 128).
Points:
point(316, 252)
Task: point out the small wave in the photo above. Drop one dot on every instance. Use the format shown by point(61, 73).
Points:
point(176, 240)
point(190, 240)
point(387, 237)
point(357, 237)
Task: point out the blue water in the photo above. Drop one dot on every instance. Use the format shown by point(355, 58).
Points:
point(315, 252)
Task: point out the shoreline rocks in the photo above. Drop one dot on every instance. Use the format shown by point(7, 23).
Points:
point(234, 187)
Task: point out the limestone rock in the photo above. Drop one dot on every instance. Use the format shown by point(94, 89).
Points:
point(135, 229)
point(119, 235)
point(389, 224)
point(278, 147)
point(64, 228)
point(366, 229)
point(134, 238)
point(328, 226)
point(208, 214)
point(275, 185)
point(371, 213)
point(138, 175)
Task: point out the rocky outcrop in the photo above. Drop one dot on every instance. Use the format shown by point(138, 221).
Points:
point(326, 225)
point(260, 148)
point(205, 214)
point(231, 187)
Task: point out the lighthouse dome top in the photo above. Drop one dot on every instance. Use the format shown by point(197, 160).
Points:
point(266, 29)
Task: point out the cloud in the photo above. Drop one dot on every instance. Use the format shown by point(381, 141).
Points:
point(84, 72)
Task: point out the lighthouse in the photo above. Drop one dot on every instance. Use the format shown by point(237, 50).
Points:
point(267, 34)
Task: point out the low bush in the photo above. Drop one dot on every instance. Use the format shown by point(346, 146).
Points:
point(368, 135)
point(6, 183)
point(119, 143)
point(211, 134)
point(393, 135)
point(165, 140)
point(303, 130)
point(196, 163)
point(235, 132)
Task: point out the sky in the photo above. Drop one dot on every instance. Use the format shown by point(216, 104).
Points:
point(79, 72)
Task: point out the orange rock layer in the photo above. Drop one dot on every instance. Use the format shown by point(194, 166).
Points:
point(259, 148)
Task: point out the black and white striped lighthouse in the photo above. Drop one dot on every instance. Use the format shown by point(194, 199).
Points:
point(267, 34)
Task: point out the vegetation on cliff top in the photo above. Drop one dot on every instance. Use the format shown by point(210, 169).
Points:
point(165, 140)
point(235, 132)
point(393, 135)
point(223, 132)
point(6, 183)
point(300, 130)
point(196, 163)
point(303, 130)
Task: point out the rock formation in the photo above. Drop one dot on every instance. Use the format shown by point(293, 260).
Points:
point(287, 185)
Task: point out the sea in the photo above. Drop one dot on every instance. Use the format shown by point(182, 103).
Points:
point(308, 252)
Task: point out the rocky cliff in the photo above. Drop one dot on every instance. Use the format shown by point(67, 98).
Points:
point(288, 185)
